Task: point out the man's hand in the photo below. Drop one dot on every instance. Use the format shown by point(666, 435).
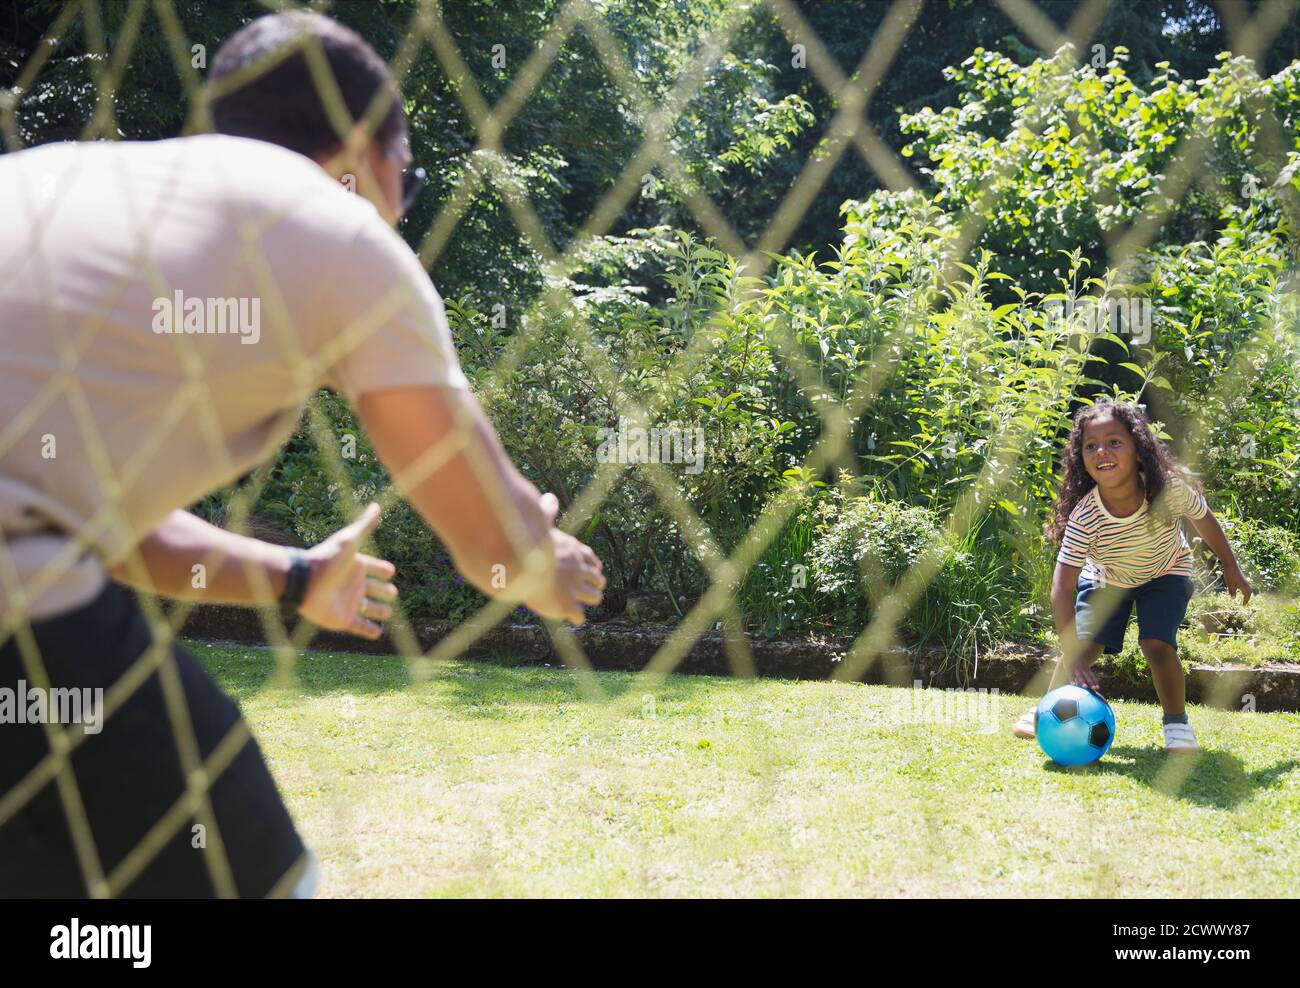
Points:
point(1236, 580)
point(577, 579)
point(348, 590)
point(447, 459)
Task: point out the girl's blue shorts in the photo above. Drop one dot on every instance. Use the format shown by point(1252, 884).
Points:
point(1101, 614)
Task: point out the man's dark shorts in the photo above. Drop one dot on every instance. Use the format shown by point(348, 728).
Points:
point(129, 775)
point(1101, 614)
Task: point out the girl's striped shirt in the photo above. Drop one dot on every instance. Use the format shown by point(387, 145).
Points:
point(1127, 552)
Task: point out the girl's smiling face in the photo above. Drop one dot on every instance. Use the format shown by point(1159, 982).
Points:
point(1109, 453)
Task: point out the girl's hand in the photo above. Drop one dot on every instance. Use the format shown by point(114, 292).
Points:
point(1084, 676)
point(1236, 580)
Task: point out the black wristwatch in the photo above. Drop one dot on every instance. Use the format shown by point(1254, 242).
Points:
point(295, 584)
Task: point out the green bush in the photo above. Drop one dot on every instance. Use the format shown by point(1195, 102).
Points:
point(861, 549)
point(1265, 630)
point(1057, 155)
point(981, 596)
point(967, 386)
point(1270, 556)
point(778, 592)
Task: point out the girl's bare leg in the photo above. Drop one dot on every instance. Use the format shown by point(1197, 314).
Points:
point(1166, 674)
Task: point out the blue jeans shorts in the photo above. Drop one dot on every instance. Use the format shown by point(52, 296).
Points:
point(1101, 614)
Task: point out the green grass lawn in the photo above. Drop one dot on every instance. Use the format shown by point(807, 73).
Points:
point(488, 780)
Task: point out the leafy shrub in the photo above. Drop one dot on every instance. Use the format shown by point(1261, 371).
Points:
point(595, 358)
point(1287, 617)
point(861, 549)
point(968, 387)
point(865, 545)
point(1226, 329)
point(1052, 154)
point(778, 592)
point(1270, 556)
point(1057, 155)
point(979, 597)
point(1223, 629)
point(1218, 613)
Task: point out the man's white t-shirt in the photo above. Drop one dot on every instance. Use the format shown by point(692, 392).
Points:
point(166, 310)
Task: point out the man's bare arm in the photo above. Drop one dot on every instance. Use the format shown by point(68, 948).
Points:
point(236, 569)
point(448, 461)
point(347, 590)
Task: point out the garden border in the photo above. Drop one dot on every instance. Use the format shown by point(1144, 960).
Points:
point(614, 645)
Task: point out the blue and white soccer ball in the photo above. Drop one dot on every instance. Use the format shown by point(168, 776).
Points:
point(1074, 725)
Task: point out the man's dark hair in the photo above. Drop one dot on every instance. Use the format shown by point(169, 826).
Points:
point(281, 103)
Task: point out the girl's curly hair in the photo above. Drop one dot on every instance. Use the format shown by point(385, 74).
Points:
point(1154, 460)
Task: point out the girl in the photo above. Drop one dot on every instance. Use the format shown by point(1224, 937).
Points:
point(1116, 522)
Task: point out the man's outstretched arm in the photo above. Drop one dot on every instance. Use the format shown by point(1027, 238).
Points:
point(492, 520)
point(346, 591)
point(236, 569)
point(448, 461)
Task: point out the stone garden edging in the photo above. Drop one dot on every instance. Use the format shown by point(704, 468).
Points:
point(616, 645)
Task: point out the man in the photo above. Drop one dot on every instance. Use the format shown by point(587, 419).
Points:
point(166, 310)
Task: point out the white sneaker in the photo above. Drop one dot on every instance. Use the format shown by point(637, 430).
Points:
point(1180, 738)
point(1025, 726)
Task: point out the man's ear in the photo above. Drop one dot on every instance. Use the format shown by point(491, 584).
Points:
point(342, 166)
point(346, 157)
point(349, 162)
point(332, 161)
